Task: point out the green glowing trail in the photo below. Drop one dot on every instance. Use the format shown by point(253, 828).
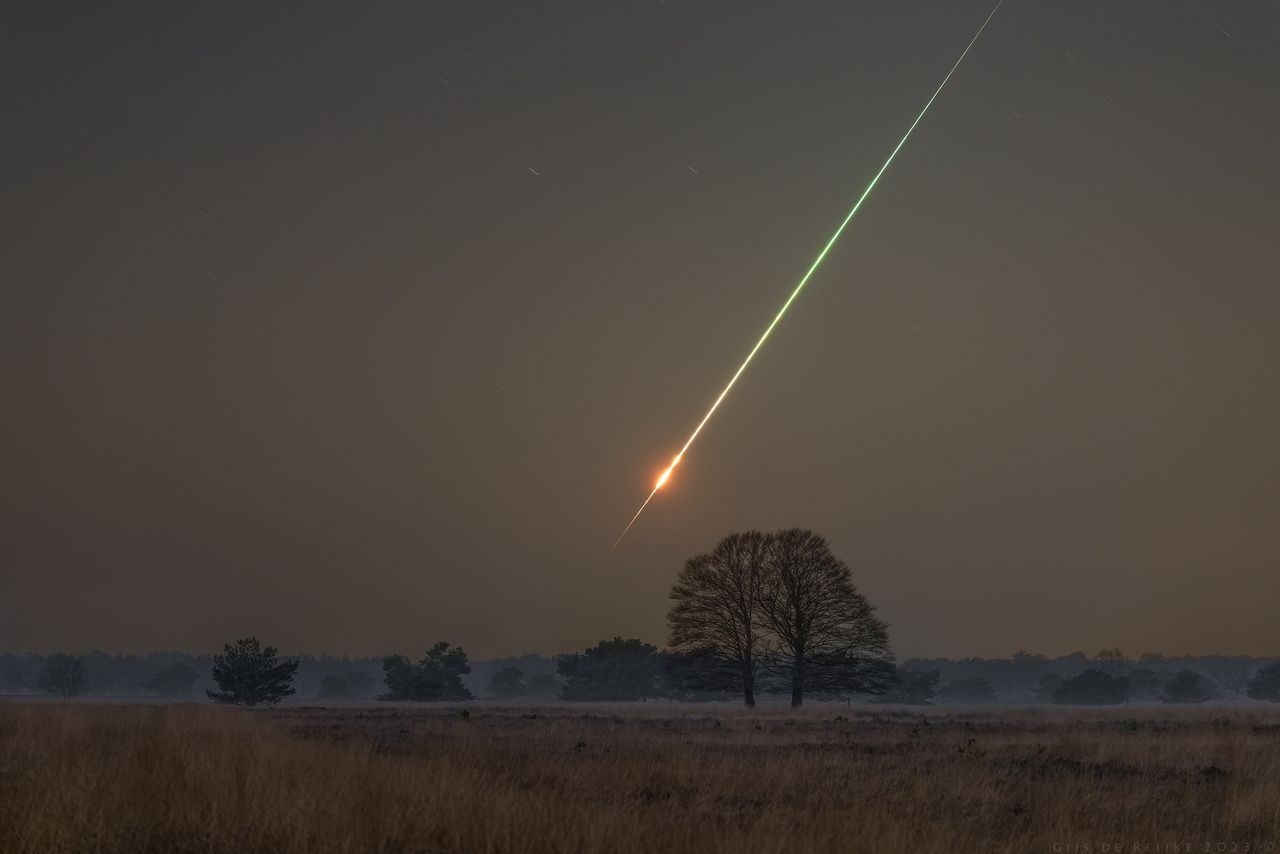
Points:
point(804, 280)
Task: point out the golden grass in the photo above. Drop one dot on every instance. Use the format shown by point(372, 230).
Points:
point(95, 778)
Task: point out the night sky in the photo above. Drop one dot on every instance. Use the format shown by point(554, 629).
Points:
point(356, 326)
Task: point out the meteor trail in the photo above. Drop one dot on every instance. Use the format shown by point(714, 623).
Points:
point(665, 476)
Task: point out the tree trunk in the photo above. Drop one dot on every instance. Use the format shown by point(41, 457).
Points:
point(797, 683)
point(749, 689)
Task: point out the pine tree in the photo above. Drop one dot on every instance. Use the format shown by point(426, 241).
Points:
point(437, 677)
point(251, 675)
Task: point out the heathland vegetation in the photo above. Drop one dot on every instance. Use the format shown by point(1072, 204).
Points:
point(137, 778)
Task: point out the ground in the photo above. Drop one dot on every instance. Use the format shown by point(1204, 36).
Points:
point(637, 778)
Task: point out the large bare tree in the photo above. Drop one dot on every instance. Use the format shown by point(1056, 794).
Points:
point(824, 633)
point(716, 634)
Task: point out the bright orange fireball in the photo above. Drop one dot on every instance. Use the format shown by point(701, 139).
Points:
point(662, 478)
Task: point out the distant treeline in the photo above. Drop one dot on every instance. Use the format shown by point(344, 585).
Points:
point(1029, 677)
point(318, 676)
point(1107, 676)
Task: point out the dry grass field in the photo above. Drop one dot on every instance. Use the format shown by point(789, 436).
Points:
point(138, 778)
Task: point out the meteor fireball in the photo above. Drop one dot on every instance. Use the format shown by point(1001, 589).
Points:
point(804, 280)
point(662, 478)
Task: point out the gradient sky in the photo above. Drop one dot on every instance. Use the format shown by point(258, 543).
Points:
point(360, 325)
